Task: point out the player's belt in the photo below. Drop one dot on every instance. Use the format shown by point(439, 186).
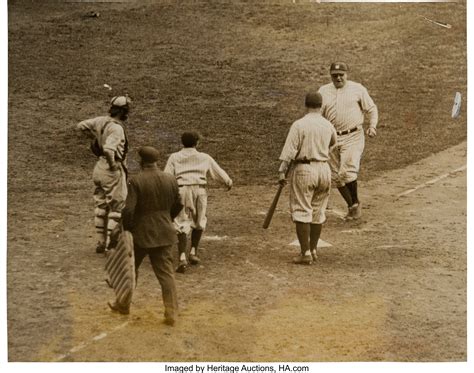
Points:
point(199, 185)
point(346, 132)
point(306, 161)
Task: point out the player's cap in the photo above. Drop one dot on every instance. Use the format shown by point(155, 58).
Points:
point(313, 100)
point(338, 67)
point(120, 101)
point(148, 154)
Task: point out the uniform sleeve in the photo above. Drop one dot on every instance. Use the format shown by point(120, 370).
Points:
point(333, 136)
point(217, 173)
point(169, 168)
point(291, 147)
point(283, 167)
point(323, 106)
point(115, 138)
point(368, 106)
point(88, 126)
point(130, 204)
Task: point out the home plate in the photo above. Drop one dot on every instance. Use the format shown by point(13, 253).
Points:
point(321, 243)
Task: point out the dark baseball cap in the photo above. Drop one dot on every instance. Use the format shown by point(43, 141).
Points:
point(148, 154)
point(338, 67)
point(313, 100)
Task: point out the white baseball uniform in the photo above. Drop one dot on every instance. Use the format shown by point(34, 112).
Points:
point(110, 186)
point(191, 169)
point(345, 108)
point(308, 143)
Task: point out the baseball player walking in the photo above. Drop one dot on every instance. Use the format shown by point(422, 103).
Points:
point(109, 173)
point(307, 147)
point(344, 104)
point(191, 169)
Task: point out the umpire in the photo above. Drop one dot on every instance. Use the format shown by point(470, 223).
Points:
point(307, 146)
point(152, 203)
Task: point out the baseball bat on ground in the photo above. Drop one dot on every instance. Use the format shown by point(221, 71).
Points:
point(271, 210)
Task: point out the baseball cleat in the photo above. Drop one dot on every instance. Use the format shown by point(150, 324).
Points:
point(193, 259)
point(183, 264)
point(118, 308)
point(303, 259)
point(356, 211)
point(100, 248)
point(170, 321)
point(314, 255)
point(350, 214)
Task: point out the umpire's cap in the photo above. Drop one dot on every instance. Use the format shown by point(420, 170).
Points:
point(313, 100)
point(120, 101)
point(148, 154)
point(338, 67)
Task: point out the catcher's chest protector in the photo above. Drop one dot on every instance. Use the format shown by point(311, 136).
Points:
point(120, 268)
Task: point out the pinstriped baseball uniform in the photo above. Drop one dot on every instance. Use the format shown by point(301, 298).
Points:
point(309, 140)
point(191, 169)
point(345, 108)
point(110, 186)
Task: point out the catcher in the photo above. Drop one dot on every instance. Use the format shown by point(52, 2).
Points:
point(110, 146)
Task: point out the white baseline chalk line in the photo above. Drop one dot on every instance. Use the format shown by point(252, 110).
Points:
point(82, 345)
point(269, 274)
point(432, 181)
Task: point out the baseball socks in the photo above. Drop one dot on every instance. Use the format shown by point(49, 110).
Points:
point(315, 233)
point(183, 263)
point(196, 235)
point(356, 206)
point(352, 187)
point(303, 233)
point(346, 194)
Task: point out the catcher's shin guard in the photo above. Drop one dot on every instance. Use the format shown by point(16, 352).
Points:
point(113, 220)
point(100, 222)
point(120, 268)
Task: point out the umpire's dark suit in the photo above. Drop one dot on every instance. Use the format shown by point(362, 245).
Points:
point(152, 203)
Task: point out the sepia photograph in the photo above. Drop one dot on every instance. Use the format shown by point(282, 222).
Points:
point(236, 185)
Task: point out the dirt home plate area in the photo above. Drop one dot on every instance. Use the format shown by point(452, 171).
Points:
point(388, 287)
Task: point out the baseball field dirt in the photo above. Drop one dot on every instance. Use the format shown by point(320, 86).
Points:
point(391, 287)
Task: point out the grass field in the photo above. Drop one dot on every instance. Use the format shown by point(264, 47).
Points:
point(237, 71)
